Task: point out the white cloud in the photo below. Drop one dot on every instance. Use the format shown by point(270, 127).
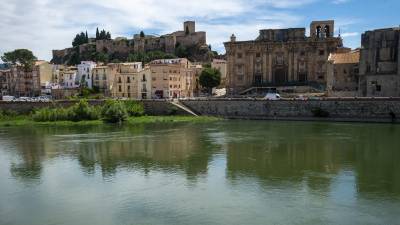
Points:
point(350, 34)
point(337, 2)
point(43, 25)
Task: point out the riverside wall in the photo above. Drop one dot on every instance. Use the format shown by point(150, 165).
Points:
point(355, 110)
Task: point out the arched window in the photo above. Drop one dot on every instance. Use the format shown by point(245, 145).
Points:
point(327, 31)
point(318, 31)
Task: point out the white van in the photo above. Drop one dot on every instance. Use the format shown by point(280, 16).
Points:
point(272, 96)
point(8, 98)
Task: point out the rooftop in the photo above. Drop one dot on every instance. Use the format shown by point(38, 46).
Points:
point(345, 58)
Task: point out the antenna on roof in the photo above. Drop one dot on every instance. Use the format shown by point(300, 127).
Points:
point(339, 32)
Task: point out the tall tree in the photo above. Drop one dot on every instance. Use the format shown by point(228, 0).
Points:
point(210, 78)
point(97, 33)
point(22, 57)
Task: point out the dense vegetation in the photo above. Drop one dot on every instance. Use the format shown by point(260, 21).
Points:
point(22, 57)
point(112, 111)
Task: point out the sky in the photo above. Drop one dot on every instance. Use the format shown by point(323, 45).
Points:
point(43, 25)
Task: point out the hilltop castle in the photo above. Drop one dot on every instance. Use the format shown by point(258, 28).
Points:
point(121, 47)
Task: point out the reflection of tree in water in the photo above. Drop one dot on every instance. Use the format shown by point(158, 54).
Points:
point(314, 154)
point(169, 148)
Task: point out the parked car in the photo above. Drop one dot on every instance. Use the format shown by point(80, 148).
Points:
point(272, 96)
point(8, 98)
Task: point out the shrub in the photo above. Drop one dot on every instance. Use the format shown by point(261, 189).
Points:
point(114, 112)
point(318, 112)
point(47, 114)
point(134, 108)
point(82, 111)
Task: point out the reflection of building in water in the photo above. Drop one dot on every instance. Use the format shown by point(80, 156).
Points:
point(315, 155)
point(171, 149)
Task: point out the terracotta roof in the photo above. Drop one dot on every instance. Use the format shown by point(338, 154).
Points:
point(345, 58)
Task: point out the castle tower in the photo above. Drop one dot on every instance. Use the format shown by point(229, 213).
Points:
point(189, 27)
point(322, 29)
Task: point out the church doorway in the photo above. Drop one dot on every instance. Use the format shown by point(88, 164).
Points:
point(280, 76)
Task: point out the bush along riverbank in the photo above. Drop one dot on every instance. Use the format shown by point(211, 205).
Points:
point(112, 111)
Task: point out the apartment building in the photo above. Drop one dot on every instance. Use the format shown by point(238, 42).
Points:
point(172, 78)
point(130, 80)
point(84, 75)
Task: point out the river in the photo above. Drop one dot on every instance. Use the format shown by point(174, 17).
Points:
point(225, 172)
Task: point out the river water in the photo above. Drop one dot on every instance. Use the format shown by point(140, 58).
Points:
point(229, 172)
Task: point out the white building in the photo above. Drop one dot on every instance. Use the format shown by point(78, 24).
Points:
point(70, 79)
point(84, 75)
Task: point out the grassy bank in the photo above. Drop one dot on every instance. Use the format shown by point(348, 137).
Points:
point(28, 121)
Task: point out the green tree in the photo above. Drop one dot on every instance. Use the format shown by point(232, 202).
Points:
point(97, 33)
point(210, 78)
point(80, 39)
point(142, 34)
point(22, 57)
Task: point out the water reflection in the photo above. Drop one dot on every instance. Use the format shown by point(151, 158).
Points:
point(270, 153)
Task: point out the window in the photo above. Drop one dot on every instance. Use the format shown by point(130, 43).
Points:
point(129, 88)
point(239, 55)
point(119, 88)
point(119, 80)
point(378, 88)
point(344, 71)
point(240, 78)
point(104, 77)
point(258, 55)
point(128, 80)
point(153, 79)
point(302, 53)
point(321, 52)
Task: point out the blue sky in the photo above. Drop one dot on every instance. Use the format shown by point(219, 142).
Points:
point(43, 25)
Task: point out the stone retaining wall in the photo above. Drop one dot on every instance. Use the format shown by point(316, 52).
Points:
point(376, 110)
point(372, 110)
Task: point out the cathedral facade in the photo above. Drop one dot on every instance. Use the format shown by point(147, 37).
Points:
point(281, 57)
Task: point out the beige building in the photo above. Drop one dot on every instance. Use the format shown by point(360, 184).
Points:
point(22, 83)
point(380, 63)
point(172, 78)
point(102, 78)
point(220, 65)
point(281, 57)
point(130, 80)
point(342, 73)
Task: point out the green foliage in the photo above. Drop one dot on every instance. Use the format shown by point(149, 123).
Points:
point(23, 57)
point(149, 56)
point(114, 112)
point(82, 111)
point(80, 39)
point(102, 57)
point(79, 112)
point(102, 35)
point(134, 108)
point(210, 78)
point(182, 52)
point(7, 114)
point(142, 34)
point(319, 112)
